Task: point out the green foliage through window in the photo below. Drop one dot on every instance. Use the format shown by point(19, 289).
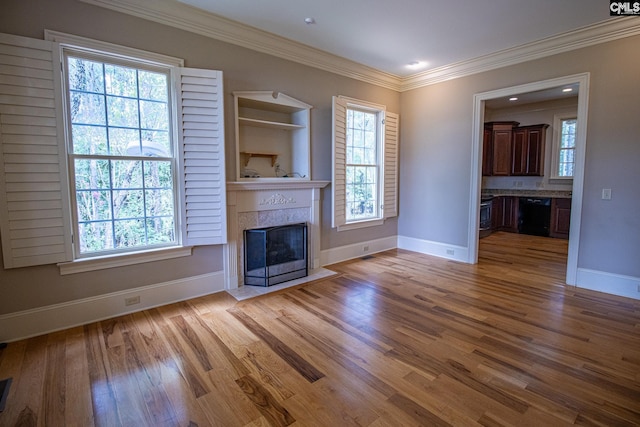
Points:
point(121, 155)
point(567, 147)
point(361, 165)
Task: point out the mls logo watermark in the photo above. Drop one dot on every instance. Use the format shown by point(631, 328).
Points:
point(624, 8)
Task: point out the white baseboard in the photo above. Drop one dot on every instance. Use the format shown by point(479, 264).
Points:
point(427, 247)
point(38, 321)
point(357, 250)
point(616, 284)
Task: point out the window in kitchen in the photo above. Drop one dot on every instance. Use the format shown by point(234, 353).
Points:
point(365, 164)
point(564, 143)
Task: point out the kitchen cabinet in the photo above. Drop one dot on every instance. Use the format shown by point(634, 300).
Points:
point(560, 218)
point(504, 214)
point(512, 150)
point(487, 152)
point(527, 151)
point(498, 148)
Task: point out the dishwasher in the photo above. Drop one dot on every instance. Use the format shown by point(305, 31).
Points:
point(534, 216)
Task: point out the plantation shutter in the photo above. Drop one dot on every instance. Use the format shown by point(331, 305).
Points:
point(34, 222)
point(201, 159)
point(390, 199)
point(339, 155)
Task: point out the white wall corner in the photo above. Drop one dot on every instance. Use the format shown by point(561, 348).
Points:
point(357, 250)
point(616, 284)
point(42, 320)
point(427, 247)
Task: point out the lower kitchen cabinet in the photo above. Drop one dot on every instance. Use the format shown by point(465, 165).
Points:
point(504, 214)
point(560, 218)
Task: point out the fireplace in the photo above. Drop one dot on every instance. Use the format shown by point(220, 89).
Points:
point(276, 254)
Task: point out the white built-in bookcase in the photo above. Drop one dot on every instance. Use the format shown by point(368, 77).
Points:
point(272, 137)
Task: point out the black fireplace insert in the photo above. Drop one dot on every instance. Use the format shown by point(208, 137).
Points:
point(274, 255)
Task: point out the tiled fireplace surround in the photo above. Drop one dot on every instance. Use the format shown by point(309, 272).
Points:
point(265, 204)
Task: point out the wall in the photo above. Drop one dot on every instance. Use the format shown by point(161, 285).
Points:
point(243, 69)
point(436, 155)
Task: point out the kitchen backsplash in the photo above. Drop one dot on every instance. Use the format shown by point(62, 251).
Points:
point(525, 183)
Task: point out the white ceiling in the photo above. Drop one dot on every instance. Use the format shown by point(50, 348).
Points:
point(388, 35)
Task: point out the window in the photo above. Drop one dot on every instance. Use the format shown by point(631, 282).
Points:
point(362, 170)
point(140, 160)
point(122, 168)
point(564, 144)
point(364, 164)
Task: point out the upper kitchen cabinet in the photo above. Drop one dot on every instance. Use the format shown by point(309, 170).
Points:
point(509, 150)
point(497, 148)
point(272, 136)
point(528, 150)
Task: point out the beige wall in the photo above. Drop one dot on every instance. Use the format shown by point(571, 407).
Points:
point(243, 70)
point(436, 129)
point(436, 153)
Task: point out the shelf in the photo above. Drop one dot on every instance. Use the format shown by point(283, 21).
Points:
point(276, 127)
point(244, 121)
point(248, 157)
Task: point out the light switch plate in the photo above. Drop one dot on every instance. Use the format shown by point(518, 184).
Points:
point(606, 194)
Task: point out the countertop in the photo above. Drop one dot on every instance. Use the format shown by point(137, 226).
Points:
point(558, 194)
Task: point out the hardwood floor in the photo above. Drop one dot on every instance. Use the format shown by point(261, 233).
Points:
point(397, 339)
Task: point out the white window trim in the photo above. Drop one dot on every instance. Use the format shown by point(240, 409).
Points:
point(555, 146)
point(82, 265)
point(182, 247)
point(383, 164)
point(123, 52)
point(354, 225)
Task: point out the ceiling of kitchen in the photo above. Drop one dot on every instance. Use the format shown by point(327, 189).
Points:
point(389, 35)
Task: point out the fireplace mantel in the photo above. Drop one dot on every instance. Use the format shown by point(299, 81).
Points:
point(266, 202)
point(275, 184)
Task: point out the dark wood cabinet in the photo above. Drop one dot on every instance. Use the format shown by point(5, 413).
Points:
point(501, 137)
point(504, 214)
point(560, 218)
point(487, 152)
point(509, 150)
point(527, 151)
point(496, 148)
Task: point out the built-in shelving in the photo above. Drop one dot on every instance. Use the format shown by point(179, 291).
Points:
point(272, 136)
point(248, 156)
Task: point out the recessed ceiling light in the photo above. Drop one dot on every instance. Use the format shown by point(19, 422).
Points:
point(309, 21)
point(513, 98)
point(568, 89)
point(414, 65)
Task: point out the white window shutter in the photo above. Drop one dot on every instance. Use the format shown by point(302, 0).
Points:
point(339, 156)
point(201, 158)
point(34, 223)
point(391, 130)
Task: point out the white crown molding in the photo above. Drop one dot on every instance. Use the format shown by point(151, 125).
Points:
point(184, 17)
point(179, 15)
point(612, 29)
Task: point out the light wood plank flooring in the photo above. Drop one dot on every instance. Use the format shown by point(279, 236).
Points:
point(398, 339)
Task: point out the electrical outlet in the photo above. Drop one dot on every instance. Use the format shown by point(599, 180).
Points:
point(450, 252)
point(365, 248)
point(132, 301)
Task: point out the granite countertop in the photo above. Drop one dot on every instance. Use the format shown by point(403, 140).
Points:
point(559, 194)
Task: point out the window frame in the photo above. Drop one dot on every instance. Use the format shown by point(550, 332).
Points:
point(379, 174)
point(184, 83)
point(386, 163)
point(558, 119)
point(108, 58)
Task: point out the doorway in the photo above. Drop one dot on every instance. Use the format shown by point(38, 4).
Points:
point(581, 81)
